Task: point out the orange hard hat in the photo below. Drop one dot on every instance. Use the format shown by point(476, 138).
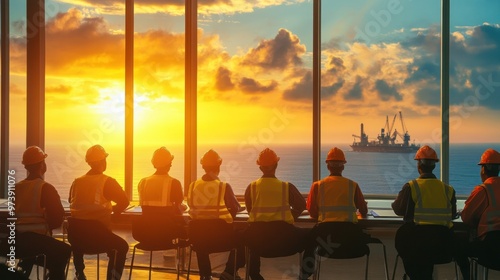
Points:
point(490, 156)
point(336, 154)
point(162, 158)
point(32, 155)
point(267, 158)
point(95, 153)
point(426, 152)
point(211, 158)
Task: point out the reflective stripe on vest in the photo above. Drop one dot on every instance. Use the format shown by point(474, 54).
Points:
point(336, 200)
point(432, 202)
point(155, 190)
point(206, 200)
point(270, 201)
point(30, 216)
point(87, 199)
point(492, 212)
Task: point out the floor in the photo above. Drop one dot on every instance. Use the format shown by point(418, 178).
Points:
point(272, 269)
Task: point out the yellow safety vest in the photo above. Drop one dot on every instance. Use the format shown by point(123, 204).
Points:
point(336, 200)
point(432, 202)
point(155, 190)
point(270, 201)
point(206, 200)
point(87, 199)
point(30, 216)
point(490, 220)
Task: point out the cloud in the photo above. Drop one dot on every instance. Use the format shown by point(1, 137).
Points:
point(356, 92)
point(223, 79)
point(284, 51)
point(251, 86)
point(386, 92)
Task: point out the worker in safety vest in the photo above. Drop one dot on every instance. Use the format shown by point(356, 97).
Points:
point(482, 212)
point(38, 210)
point(90, 200)
point(335, 201)
point(209, 198)
point(160, 195)
point(272, 207)
point(428, 206)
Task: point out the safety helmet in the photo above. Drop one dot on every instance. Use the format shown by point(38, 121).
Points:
point(32, 155)
point(336, 154)
point(162, 158)
point(95, 153)
point(426, 152)
point(267, 158)
point(490, 156)
point(211, 158)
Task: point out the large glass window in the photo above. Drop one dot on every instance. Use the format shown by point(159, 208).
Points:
point(380, 58)
point(255, 89)
point(474, 89)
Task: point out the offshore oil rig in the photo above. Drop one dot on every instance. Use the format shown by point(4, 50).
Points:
point(386, 141)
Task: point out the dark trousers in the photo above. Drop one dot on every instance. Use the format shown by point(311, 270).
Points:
point(422, 246)
point(30, 244)
point(276, 239)
point(215, 235)
point(92, 237)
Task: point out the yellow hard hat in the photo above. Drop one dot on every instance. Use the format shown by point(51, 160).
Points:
point(426, 152)
point(336, 154)
point(267, 158)
point(162, 158)
point(211, 158)
point(32, 155)
point(95, 153)
point(490, 156)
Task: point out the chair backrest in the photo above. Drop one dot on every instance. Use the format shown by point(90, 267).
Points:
point(341, 240)
point(273, 239)
point(154, 230)
point(80, 237)
point(211, 235)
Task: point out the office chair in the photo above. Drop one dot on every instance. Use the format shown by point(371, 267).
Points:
point(211, 236)
point(344, 240)
point(154, 235)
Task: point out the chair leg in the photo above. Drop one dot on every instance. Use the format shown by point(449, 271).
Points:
point(385, 263)
point(189, 263)
point(235, 262)
point(131, 264)
point(366, 269)
point(395, 266)
point(247, 263)
point(150, 263)
point(98, 266)
point(177, 262)
point(318, 268)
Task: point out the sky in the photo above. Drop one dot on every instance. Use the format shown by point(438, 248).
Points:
point(254, 70)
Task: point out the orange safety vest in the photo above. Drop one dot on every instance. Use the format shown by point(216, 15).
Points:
point(490, 219)
point(155, 190)
point(206, 200)
point(336, 200)
point(30, 216)
point(87, 199)
point(432, 202)
point(270, 201)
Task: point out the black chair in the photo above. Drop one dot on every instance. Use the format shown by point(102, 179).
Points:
point(436, 261)
point(272, 240)
point(157, 235)
point(488, 264)
point(211, 236)
point(344, 240)
point(85, 245)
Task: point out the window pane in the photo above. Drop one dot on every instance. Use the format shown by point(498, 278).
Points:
point(255, 89)
point(85, 62)
point(474, 88)
point(159, 87)
point(380, 58)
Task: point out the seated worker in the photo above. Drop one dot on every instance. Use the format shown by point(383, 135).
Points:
point(268, 192)
point(334, 202)
point(160, 195)
point(428, 206)
point(39, 211)
point(210, 199)
point(482, 212)
point(90, 200)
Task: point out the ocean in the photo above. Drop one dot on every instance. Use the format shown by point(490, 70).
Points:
point(376, 173)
